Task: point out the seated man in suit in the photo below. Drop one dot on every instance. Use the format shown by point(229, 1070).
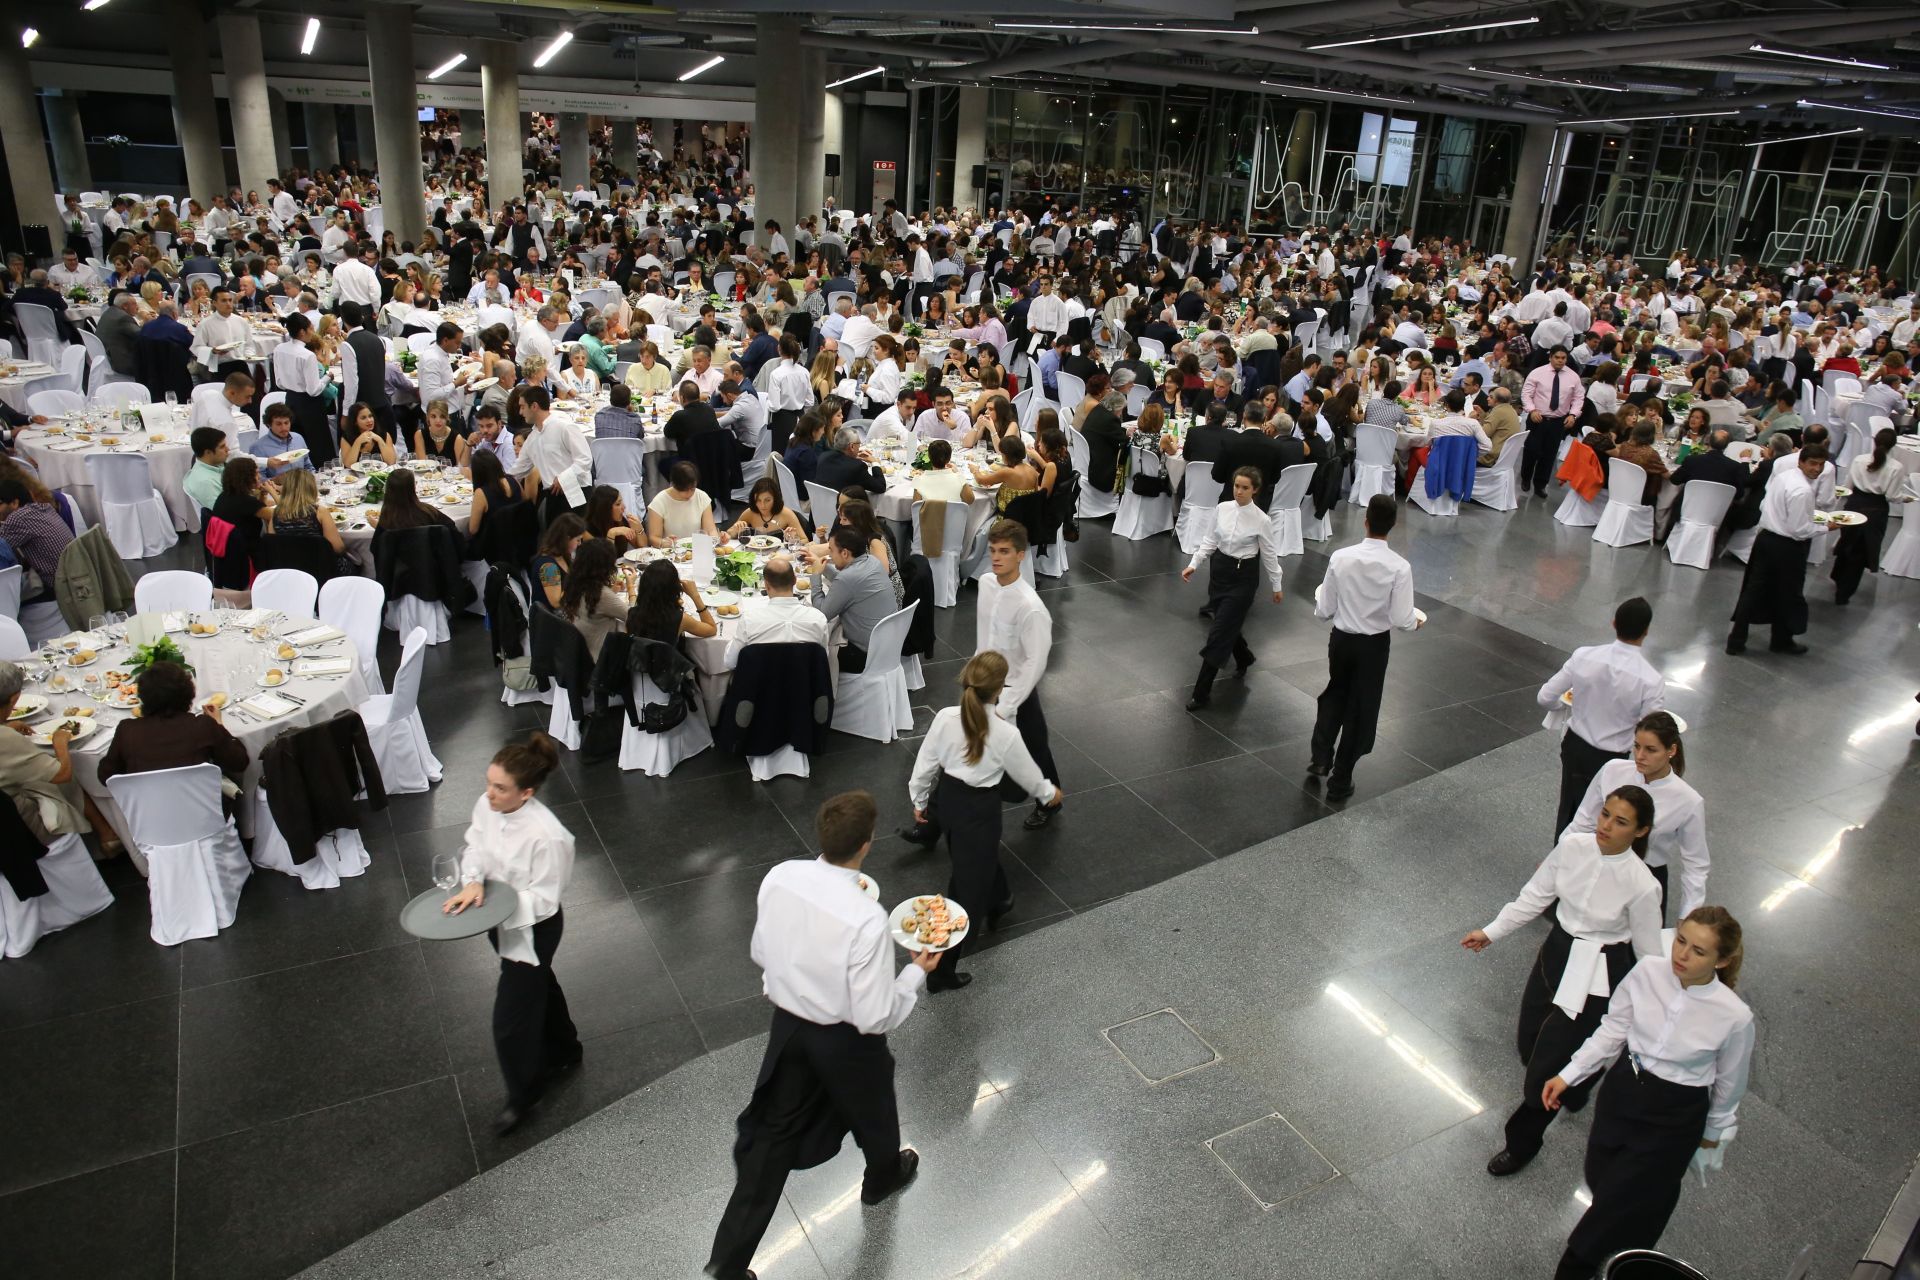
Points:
point(1259, 443)
point(1501, 421)
point(847, 465)
point(1712, 464)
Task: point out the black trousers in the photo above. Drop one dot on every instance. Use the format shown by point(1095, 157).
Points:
point(970, 817)
point(780, 422)
point(1859, 548)
point(1031, 721)
point(1645, 1131)
point(1773, 591)
point(1547, 1038)
point(310, 420)
point(1350, 704)
point(532, 1030)
point(1541, 453)
point(817, 1083)
point(1231, 586)
point(1580, 760)
point(1660, 877)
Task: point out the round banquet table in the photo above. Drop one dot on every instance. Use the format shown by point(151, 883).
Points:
point(894, 457)
point(229, 663)
point(341, 492)
point(13, 386)
point(60, 456)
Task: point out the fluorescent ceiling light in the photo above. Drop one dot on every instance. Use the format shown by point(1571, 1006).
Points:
point(559, 42)
point(446, 66)
point(28, 36)
point(1523, 75)
point(1340, 93)
point(858, 75)
point(1819, 57)
point(306, 41)
point(91, 5)
point(704, 67)
point(1157, 29)
point(1865, 111)
point(1682, 115)
point(1417, 35)
point(1809, 137)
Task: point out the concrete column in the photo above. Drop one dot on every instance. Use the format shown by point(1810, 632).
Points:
point(969, 145)
point(833, 143)
point(247, 100)
point(396, 120)
point(810, 188)
point(69, 139)
point(1529, 189)
point(690, 140)
point(323, 136)
point(363, 150)
point(196, 118)
point(282, 131)
point(576, 156)
point(781, 89)
point(506, 124)
point(25, 147)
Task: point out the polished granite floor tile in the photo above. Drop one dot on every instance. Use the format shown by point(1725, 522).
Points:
point(1228, 805)
point(108, 960)
point(41, 1236)
point(1161, 1046)
point(1270, 1159)
point(291, 925)
point(1106, 842)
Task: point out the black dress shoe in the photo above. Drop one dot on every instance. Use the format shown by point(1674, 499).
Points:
point(1317, 770)
point(717, 1274)
point(920, 833)
point(1735, 648)
point(1042, 814)
point(1791, 646)
point(509, 1119)
point(1198, 701)
point(1506, 1164)
point(909, 1170)
point(936, 982)
point(996, 914)
point(1240, 668)
point(1206, 611)
point(567, 1067)
point(1339, 788)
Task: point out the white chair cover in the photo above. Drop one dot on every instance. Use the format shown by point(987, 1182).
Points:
point(117, 395)
point(294, 592)
point(622, 463)
point(1740, 545)
point(945, 567)
point(74, 892)
point(1702, 509)
point(561, 726)
point(353, 605)
point(51, 404)
point(787, 762)
point(658, 754)
point(195, 865)
point(1820, 547)
point(1443, 505)
point(1901, 557)
point(134, 513)
point(1093, 504)
point(1498, 486)
point(42, 332)
point(823, 504)
point(1197, 508)
point(336, 854)
point(410, 613)
point(1052, 561)
point(789, 487)
point(14, 646)
point(1578, 511)
point(1140, 518)
point(874, 703)
point(407, 763)
point(1284, 514)
point(172, 590)
point(1626, 520)
point(1374, 448)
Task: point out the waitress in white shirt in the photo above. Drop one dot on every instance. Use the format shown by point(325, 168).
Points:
point(955, 787)
point(1657, 763)
point(1671, 1101)
point(1235, 550)
point(1608, 915)
point(515, 838)
point(296, 371)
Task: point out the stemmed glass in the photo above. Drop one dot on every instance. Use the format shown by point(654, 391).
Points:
point(446, 871)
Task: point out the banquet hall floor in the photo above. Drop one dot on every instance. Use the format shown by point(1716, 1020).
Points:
point(250, 1104)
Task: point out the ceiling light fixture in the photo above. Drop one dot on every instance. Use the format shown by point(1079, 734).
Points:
point(560, 42)
point(1681, 115)
point(1865, 111)
point(1159, 29)
point(703, 68)
point(1523, 75)
point(1419, 35)
point(307, 40)
point(1807, 137)
point(446, 66)
point(1340, 93)
point(858, 75)
point(1818, 57)
point(28, 36)
point(91, 5)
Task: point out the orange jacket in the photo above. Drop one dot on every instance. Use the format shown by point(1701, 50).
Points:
point(1582, 471)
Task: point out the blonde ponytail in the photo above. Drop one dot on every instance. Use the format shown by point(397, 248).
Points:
point(980, 683)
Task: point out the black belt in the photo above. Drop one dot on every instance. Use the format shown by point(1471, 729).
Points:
point(1237, 560)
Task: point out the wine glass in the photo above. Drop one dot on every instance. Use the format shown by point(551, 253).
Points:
point(446, 871)
point(173, 399)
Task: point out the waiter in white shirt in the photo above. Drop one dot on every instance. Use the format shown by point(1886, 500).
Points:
point(1046, 317)
point(557, 451)
point(1237, 547)
point(1774, 587)
point(825, 954)
point(1011, 621)
point(284, 207)
point(1367, 591)
point(355, 280)
point(224, 329)
point(296, 371)
point(1612, 686)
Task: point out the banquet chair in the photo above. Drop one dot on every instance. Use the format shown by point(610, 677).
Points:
point(172, 591)
point(1582, 513)
point(1284, 514)
point(51, 404)
point(777, 709)
point(1703, 508)
point(118, 395)
point(195, 865)
point(11, 579)
point(74, 891)
point(1433, 488)
point(1498, 486)
point(1092, 503)
point(338, 852)
point(513, 598)
point(558, 654)
point(1627, 519)
point(14, 645)
point(1901, 558)
point(1197, 514)
point(789, 487)
point(290, 591)
point(754, 467)
point(41, 331)
point(420, 571)
point(407, 763)
point(353, 606)
point(1138, 518)
point(1374, 447)
point(659, 754)
point(622, 463)
point(131, 509)
point(873, 703)
point(823, 504)
point(1069, 390)
point(953, 538)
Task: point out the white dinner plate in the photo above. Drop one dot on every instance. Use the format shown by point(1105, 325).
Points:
point(290, 456)
point(484, 383)
point(264, 683)
point(29, 706)
point(82, 728)
point(870, 887)
point(898, 915)
point(1843, 492)
point(720, 597)
point(1840, 519)
point(761, 542)
point(75, 666)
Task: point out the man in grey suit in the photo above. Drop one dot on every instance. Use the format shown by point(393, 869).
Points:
point(859, 593)
point(118, 331)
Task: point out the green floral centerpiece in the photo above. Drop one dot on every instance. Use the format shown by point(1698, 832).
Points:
point(921, 462)
point(736, 571)
point(714, 298)
point(1405, 402)
point(408, 360)
point(911, 330)
point(161, 650)
point(375, 492)
point(79, 294)
point(916, 380)
point(1680, 402)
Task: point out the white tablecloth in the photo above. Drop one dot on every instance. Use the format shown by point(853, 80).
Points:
point(168, 457)
point(13, 388)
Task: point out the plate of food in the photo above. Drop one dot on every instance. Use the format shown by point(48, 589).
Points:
point(929, 923)
point(643, 555)
point(484, 383)
point(761, 542)
point(421, 464)
point(870, 887)
point(290, 456)
point(76, 727)
point(1839, 519)
point(83, 657)
point(273, 678)
point(203, 627)
point(28, 706)
point(370, 467)
point(125, 697)
point(79, 640)
point(719, 596)
point(1842, 492)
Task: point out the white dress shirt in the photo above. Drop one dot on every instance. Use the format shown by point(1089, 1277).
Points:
point(1408, 333)
point(856, 337)
point(62, 279)
point(529, 849)
point(883, 384)
point(1613, 686)
point(1368, 589)
point(218, 331)
point(746, 417)
point(1241, 531)
point(1679, 834)
point(1602, 899)
point(295, 368)
point(1685, 1035)
point(536, 340)
point(554, 448)
point(1012, 622)
point(285, 209)
point(1787, 508)
point(1046, 314)
point(355, 281)
point(824, 951)
point(929, 427)
point(944, 750)
point(787, 386)
point(781, 620)
point(1458, 424)
point(434, 372)
point(889, 424)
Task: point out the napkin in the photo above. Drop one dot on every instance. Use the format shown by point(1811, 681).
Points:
point(313, 635)
point(322, 666)
point(252, 617)
point(268, 706)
